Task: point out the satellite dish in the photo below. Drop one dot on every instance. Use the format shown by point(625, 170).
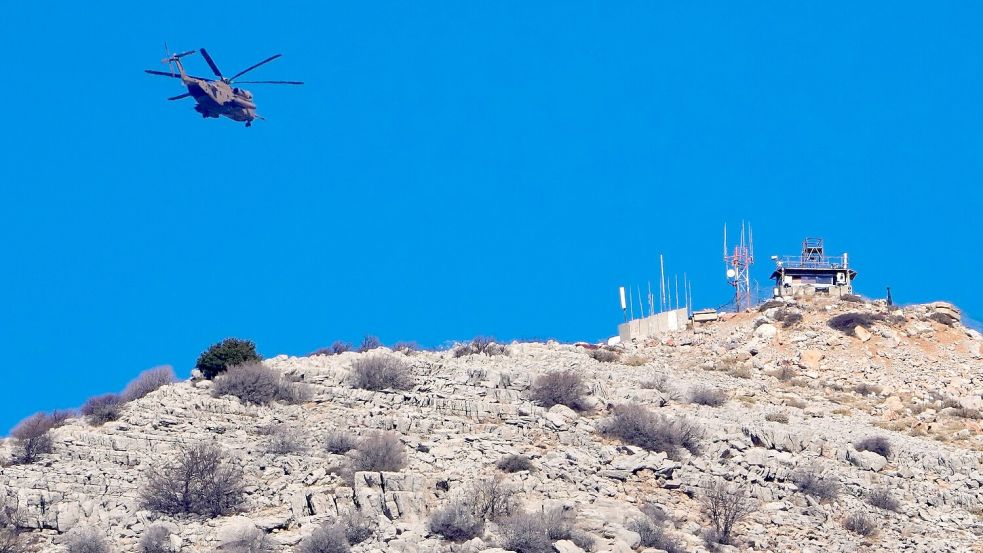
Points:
point(731, 273)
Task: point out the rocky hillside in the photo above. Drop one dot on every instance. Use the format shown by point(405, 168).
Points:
point(784, 404)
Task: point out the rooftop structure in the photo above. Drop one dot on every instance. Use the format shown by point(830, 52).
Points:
point(812, 272)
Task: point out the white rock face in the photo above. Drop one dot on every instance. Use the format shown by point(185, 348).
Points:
point(465, 414)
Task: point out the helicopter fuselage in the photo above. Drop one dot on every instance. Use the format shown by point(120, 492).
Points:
point(216, 98)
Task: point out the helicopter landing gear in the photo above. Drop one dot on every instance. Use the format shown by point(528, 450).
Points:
point(249, 123)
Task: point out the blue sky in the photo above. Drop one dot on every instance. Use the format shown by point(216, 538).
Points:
point(453, 169)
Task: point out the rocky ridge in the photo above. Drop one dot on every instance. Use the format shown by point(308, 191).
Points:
point(900, 377)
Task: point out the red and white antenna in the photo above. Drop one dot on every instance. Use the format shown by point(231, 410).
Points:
point(737, 264)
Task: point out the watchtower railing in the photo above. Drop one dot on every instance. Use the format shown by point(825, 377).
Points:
point(801, 262)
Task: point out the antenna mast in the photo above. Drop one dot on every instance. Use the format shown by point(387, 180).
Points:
point(738, 266)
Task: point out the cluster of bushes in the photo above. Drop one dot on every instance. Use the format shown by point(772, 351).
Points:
point(480, 345)
point(381, 372)
point(339, 442)
point(156, 539)
point(464, 516)
point(31, 437)
point(379, 452)
point(560, 388)
point(634, 424)
point(337, 348)
point(860, 524)
point(285, 439)
point(11, 538)
point(883, 499)
point(257, 384)
point(788, 318)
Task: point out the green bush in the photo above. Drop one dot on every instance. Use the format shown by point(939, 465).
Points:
point(225, 354)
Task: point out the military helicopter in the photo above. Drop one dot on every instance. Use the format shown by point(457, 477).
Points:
point(217, 97)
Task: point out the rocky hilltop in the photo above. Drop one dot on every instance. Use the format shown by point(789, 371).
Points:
point(784, 400)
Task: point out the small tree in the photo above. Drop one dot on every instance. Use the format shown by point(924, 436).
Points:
point(515, 463)
point(225, 354)
point(560, 388)
point(201, 481)
point(102, 409)
point(149, 381)
point(637, 425)
point(32, 439)
point(369, 343)
point(726, 507)
point(380, 452)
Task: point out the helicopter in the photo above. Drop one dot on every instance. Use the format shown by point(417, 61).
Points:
point(217, 97)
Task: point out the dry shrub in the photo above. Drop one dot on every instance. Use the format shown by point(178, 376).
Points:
point(770, 304)
point(866, 389)
point(328, 538)
point(200, 481)
point(464, 517)
point(406, 347)
point(358, 528)
point(381, 372)
point(12, 539)
point(810, 482)
point(480, 345)
point(847, 322)
point(783, 373)
point(156, 539)
point(652, 532)
point(883, 499)
point(31, 438)
point(726, 506)
point(87, 540)
point(852, 298)
point(339, 442)
point(227, 353)
point(877, 444)
point(149, 381)
point(706, 395)
point(635, 361)
point(257, 384)
point(796, 402)
point(860, 524)
point(102, 409)
point(456, 521)
point(603, 355)
point(777, 417)
point(337, 348)
point(380, 452)
point(515, 463)
point(967, 413)
point(788, 318)
point(560, 388)
point(246, 539)
point(369, 343)
point(741, 372)
point(285, 439)
point(636, 425)
point(525, 533)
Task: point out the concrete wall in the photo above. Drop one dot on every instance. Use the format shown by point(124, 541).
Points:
point(654, 325)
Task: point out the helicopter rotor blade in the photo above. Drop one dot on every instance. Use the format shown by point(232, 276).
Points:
point(269, 82)
point(185, 95)
point(164, 74)
point(211, 63)
point(250, 68)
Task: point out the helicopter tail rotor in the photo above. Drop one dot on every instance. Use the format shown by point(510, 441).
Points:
point(171, 57)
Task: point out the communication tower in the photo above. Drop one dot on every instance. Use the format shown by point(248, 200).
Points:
point(737, 263)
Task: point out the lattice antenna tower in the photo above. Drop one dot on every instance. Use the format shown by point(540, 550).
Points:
point(737, 264)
